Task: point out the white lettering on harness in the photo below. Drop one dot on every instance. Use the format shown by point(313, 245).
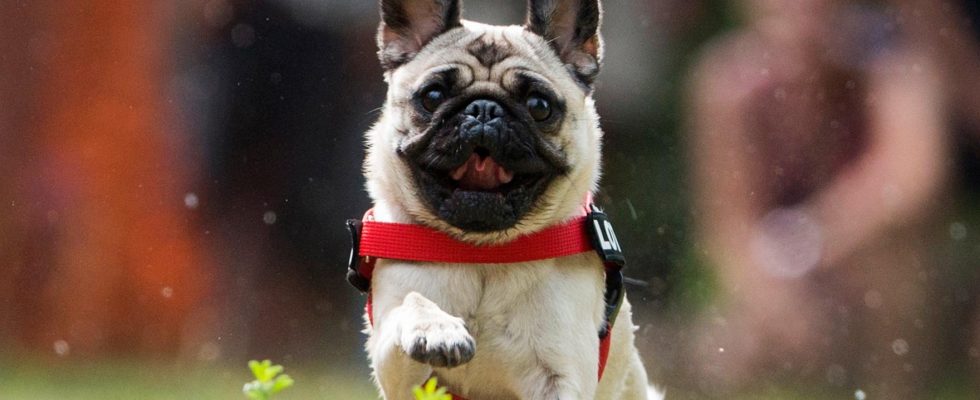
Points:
point(608, 239)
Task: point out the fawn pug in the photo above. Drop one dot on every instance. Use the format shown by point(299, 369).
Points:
point(489, 134)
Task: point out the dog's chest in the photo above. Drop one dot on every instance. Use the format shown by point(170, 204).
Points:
point(514, 312)
point(501, 321)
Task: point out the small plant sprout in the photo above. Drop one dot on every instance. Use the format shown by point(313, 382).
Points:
point(431, 391)
point(268, 380)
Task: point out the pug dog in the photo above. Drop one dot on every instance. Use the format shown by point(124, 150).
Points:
point(489, 133)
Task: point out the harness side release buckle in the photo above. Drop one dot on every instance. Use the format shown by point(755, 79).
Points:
point(354, 276)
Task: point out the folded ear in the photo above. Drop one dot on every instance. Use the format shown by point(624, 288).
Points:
point(408, 25)
point(572, 28)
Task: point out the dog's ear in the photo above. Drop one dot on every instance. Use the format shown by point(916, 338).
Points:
point(572, 29)
point(407, 25)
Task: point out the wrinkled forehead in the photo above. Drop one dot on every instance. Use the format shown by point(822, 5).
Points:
point(483, 54)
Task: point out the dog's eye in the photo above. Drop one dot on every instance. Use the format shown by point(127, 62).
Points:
point(432, 98)
point(539, 108)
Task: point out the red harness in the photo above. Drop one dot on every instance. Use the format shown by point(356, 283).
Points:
point(591, 232)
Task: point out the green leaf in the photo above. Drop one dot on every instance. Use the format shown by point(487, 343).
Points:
point(254, 390)
point(282, 382)
point(268, 380)
point(259, 369)
point(271, 372)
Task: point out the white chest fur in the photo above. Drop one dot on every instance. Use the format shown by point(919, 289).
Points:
point(518, 314)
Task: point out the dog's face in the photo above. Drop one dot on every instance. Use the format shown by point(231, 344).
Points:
point(488, 132)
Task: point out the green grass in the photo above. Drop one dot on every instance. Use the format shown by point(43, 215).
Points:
point(145, 381)
point(149, 381)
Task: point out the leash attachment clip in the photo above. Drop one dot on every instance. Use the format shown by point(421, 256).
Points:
point(354, 275)
point(606, 244)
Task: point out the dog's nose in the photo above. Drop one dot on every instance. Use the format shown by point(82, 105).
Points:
point(482, 124)
point(484, 110)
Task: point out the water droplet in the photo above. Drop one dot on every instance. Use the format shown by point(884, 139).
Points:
point(632, 209)
point(61, 348)
point(167, 292)
point(209, 351)
point(787, 243)
point(957, 231)
point(217, 13)
point(269, 217)
point(191, 201)
point(900, 347)
point(721, 349)
point(779, 94)
point(859, 395)
point(891, 196)
point(243, 35)
point(872, 299)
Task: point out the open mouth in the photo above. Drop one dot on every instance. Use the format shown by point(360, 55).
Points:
point(481, 172)
point(480, 166)
point(483, 193)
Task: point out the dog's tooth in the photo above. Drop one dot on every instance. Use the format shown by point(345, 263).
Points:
point(459, 172)
point(504, 176)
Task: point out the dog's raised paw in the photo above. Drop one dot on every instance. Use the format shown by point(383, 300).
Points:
point(442, 353)
point(442, 342)
point(436, 338)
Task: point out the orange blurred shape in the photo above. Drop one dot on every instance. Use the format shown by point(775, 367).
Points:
point(106, 242)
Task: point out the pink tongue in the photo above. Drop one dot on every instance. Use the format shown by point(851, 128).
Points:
point(481, 173)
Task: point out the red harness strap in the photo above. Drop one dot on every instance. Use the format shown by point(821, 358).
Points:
point(375, 240)
point(419, 243)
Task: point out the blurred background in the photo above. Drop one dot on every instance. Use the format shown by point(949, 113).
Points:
point(797, 184)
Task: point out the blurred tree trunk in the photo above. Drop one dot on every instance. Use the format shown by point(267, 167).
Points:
point(97, 245)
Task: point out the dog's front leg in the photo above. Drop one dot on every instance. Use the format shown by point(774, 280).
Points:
point(411, 339)
point(564, 370)
point(557, 331)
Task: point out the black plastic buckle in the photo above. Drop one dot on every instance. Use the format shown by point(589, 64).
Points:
point(354, 276)
point(614, 300)
point(604, 237)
